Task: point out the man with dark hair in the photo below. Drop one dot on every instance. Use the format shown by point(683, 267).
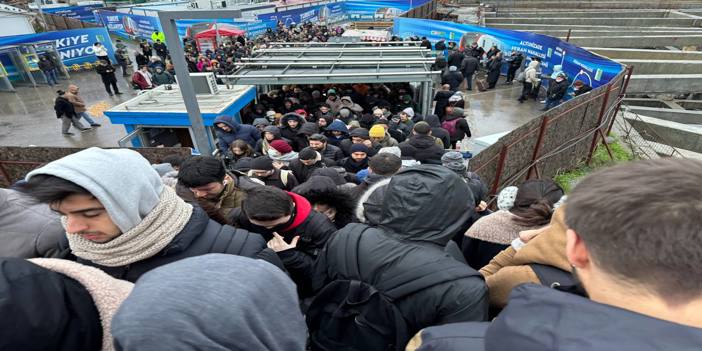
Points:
point(120, 217)
point(422, 146)
point(358, 159)
point(637, 256)
point(293, 230)
point(204, 180)
point(320, 144)
point(359, 136)
point(262, 169)
point(307, 161)
point(381, 166)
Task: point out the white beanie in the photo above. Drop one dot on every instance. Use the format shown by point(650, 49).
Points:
point(409, 111)
point(505, 200)
point(121, 179)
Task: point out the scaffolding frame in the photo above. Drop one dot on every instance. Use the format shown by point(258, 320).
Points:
point(340, 63)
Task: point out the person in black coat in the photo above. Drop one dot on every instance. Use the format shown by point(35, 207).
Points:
point(320, 143)
point(580, 88)
point(107, 73)
point(442, 100)
point(476, 51)
point(129, 222)
point(306, 162)
point(335, 202)
point(494, 66)
point(291, 123)
point(422, 146)
point(515, 62)
point(437, 131)
point(262, 169)
point(66, 112)
point(453, 78)
point(556, 91)
point(469, 65)
point(293, 230)
point(411, 236)
point(455, 58)
point(425, 43)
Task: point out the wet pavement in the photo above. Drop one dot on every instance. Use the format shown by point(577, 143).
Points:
point(27, 116)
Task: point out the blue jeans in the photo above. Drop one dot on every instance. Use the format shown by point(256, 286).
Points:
point(87, 117)
point(50, 76)
point(551, 103)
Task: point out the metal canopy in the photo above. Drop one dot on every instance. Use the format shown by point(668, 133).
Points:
point(340, 63)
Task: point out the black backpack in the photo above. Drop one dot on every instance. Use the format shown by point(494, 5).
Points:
point(350, 314)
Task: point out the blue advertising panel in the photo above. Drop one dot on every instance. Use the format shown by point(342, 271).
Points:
point(329, 13)
point(577, 63)
point(128, 26)
point(74, 46)
point(83, 13)
point(379, 10)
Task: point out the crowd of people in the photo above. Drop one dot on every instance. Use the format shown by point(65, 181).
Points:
point(103, 250)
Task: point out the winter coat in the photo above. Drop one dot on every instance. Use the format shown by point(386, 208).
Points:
point(245, 132)
point(556, 90)
point(353, 166)
point(46, 65)
point(442, 100)
point(162, 78)
point(64, 108)
point(28, 229)
point(200, 236)
point(262, 145)
point(298, 142)
point(494, 67)
point(469, 65)
point(530, 74)
point(510, 268)
point(404, 238)
point(462, 129)
point(139, 80)
point(455, 58)
point(322, 189)
point(106, 72)
point(313, 228)
point(303, 172)
point(437, 131)
point(453, 79)
point(338, 126)
point(584, 89)
point(335, 105)
point(333, 153)
point(422, 148)
point(538, 318)
point(488, 236)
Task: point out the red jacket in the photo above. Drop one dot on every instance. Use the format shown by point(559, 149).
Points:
point(139, 80)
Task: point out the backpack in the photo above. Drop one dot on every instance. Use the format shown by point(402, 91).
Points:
point(450, 126)
point(521, 77)
point(349, 314)
point(553, 277)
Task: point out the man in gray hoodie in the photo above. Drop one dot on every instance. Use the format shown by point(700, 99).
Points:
point(211, 302)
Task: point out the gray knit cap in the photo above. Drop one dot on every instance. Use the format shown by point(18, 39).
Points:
point(505, 200)
point(453, 160)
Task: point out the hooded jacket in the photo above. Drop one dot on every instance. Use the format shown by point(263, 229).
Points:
point(442, 100)
point(200, 236)
point(538, 318)
point(323, 190)
point(418, 213)
point(436, 131)
point(313, 228)
point(337, 126)
point(27, 229)
point(303, 172)
point(297, 141)
point(52, 304)
point(422, 148)
point(244, 132)
point(348, 103)
point(211, 302)
point(262, 145)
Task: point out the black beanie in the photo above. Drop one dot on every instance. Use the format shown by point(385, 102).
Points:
point(307, 154)
point(263, 163)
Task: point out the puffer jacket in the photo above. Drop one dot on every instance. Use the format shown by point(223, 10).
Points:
point(200, 236)
point(244, 132)
point(437, 131)
point(422, 148)
point(397, 239)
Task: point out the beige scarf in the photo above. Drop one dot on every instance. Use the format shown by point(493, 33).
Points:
point(149, 237)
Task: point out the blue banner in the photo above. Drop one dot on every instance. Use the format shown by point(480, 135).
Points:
point(379, 10)
point(128, 26)
point(83, 13)
point(329, 13)
point(576, 62)
point(74, 46)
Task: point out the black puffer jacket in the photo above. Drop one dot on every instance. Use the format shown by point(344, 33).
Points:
point(64, 108)
point(420, 211)
point(297, 141)
point(422, 148)
point(200, 236)
point(557, 90)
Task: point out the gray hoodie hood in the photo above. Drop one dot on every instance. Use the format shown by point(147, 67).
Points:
point(211, 302)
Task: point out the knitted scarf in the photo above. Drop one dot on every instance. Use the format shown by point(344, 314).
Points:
point(149, 237)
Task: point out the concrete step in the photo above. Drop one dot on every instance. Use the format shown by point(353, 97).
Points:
point(624, 21)
point(664, 83)
point(663, 66)
point(643, 54)
point(677, 135)
point(594, 4)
